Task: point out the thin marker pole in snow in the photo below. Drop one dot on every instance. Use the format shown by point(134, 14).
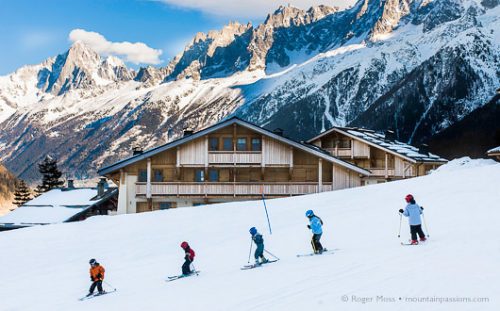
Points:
point(400, 220)
point(250, 252)
point(425, 225)
point(265, 207)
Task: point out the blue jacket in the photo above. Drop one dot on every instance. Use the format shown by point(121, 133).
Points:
point(258, 239)
point(316, 223)
point(413, 212)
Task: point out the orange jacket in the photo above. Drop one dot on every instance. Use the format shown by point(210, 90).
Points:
point(95, 271)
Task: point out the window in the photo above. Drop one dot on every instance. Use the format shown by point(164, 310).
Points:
point(157, 176)
point(227, 144)
point(213, 144)
point(256, 144)
point(213, 175)
point(200, 176)
point(241, 144)
point(165, 205)
point(143, 176)
point(344, 143)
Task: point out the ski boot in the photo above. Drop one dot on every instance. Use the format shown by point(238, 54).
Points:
point(89, 294)
point(414, 242)
point(264, 260)
point(423, 239)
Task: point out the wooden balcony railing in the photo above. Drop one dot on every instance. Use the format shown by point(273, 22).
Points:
point(230, 189)
point(340, 152)
point(222, 157)
point(381, 171)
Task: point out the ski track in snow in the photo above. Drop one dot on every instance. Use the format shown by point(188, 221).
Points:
point(47, 267)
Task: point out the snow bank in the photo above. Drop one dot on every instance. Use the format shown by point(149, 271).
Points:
point(464, 163)
point(47, 267)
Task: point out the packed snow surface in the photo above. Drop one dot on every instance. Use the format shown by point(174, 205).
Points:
point(47, 267)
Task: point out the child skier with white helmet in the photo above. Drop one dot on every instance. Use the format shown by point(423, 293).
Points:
point(259, 242)
point(315, 224)
point(413, 212)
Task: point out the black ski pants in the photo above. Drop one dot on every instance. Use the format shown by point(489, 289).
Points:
point(97, 283)
point(416, 229)
point(317, 247)
point(186, 267)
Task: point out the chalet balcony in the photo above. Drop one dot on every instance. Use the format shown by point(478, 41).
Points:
point(229, 157)
point(221, 189)
point(340, 152)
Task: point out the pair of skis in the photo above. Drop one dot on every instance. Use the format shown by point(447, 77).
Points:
point(176, 277)
point(97, 295)
point(325, 252)
point(247, 267)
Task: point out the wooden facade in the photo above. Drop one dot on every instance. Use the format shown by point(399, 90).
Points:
point(233, 160)
point(383, 163)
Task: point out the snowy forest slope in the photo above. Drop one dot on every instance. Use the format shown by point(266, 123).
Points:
point(47, 267)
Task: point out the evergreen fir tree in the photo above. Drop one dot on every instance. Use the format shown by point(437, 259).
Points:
point(50, 175)
point(22, 193)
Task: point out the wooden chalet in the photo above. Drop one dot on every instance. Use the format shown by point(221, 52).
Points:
point(380, 153)
point(494, 153)
point(231, 160)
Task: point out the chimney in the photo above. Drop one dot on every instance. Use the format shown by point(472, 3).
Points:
point(101, 185)
point(136, 150)
point(278, 131)
point(188, 132)
point(390, 135)
point(423, 148)
point(70, 184)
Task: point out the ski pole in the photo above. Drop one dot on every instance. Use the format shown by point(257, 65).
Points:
point(194, 269)
point(109, 285)
point(400, 220)
point(425, 225)
point(250, 252)
point(271, 254)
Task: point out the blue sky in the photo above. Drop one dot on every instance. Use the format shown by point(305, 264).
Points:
point(34, 30)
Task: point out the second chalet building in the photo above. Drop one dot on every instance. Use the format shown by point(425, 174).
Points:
point(381, 154)
point(237, 160)
point(232, 160)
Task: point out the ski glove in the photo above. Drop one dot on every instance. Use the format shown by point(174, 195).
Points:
point(421, 207)
point(99, 276)
point(309, 226)
point(401, 211)
point(91, 279)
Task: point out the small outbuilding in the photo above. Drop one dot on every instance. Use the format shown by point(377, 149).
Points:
point(63, 205)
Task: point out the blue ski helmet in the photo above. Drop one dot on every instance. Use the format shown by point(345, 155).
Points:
point(309, 213)
point(252, 231)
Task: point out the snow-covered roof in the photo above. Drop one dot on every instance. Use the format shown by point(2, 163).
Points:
point(494, 150)
point(391, 145)
point(54, 206)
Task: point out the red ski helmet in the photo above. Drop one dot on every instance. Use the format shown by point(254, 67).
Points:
point(184, 245)
point(409, 198)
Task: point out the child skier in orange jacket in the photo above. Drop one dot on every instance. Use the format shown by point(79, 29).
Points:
point(96, 276)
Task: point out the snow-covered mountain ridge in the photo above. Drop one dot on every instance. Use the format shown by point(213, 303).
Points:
point(460, 260)
point(414, 66)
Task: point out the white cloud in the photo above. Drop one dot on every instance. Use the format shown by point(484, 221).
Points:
point(136, 53)
point(249, 9)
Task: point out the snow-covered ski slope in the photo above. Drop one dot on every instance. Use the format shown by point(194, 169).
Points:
point(46, 268)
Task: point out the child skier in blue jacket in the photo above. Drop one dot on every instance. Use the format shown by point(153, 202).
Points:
point(315, 224)
point(413, 212)
point(259, 242)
